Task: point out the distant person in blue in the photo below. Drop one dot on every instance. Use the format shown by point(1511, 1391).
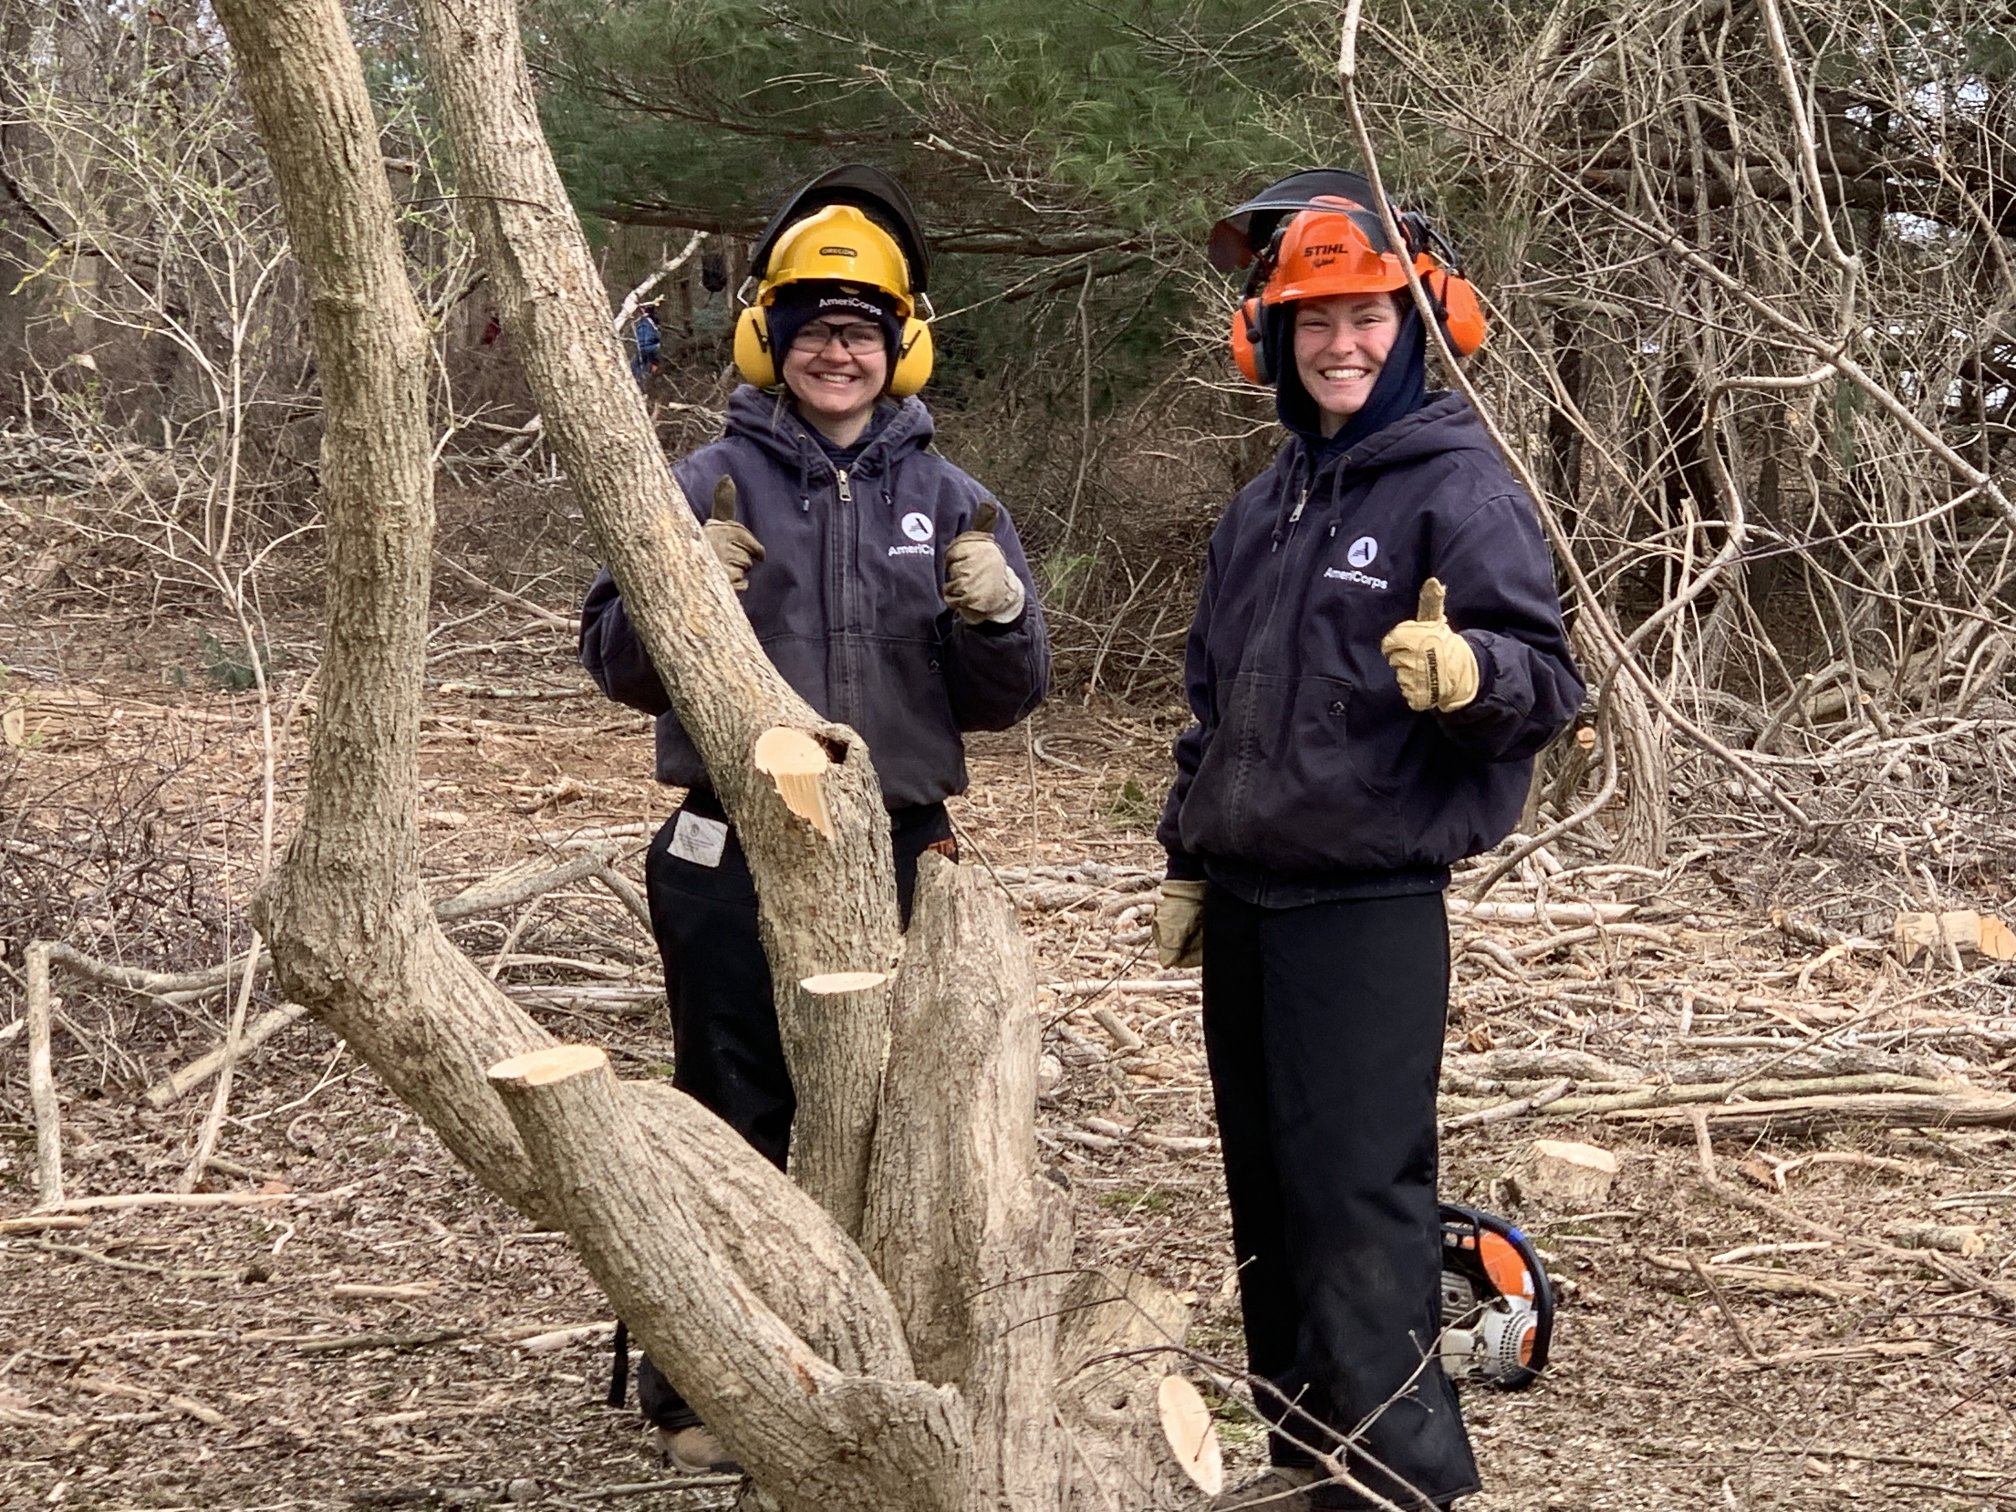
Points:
point(644, 366)
point(1352, 738)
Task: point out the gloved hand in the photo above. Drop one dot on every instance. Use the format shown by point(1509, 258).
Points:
point(734, 543)
point(1436, 667)
point(979, 583)
point(1179, 923)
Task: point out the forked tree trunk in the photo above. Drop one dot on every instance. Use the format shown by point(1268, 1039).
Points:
point(938, 1391)
point(828, 902)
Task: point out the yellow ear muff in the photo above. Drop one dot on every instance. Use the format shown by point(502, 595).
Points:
point(754, 359)
point(912, 368)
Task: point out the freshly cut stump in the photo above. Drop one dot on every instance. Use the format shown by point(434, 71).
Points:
point(798, 765)
point(1193, 1437)
point(840, 983)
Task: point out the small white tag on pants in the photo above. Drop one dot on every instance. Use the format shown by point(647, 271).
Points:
point(699, 840)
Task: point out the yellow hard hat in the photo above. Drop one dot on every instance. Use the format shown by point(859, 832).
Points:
point(841, 245)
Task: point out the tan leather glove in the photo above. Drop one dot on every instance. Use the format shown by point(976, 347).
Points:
point(1179, 924)
point(1436, 667)
point(979, 583)
point(734, 543)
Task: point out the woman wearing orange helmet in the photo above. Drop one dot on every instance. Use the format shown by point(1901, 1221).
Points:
point(1352, 739)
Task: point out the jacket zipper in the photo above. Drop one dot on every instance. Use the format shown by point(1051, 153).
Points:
point(1262, 641)
point(844, 538)
point(1281, 527)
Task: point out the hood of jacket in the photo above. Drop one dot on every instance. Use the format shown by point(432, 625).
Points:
point(1443, 426)
point(767, 419)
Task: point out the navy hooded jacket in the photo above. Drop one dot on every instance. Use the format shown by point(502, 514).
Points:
point(848, 600)
point(1305, 764)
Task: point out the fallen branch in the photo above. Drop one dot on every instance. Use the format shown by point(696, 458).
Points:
point(1882, 1095)
point(200, 1070)
point(1758, 1278)
point(1505, 1112)
point(145, 1267)
point(42, 1083)
point(1541, 913)
point(350, 1343)
point(1954, 1110)
point(125, 1200)
point(515, 885)
point(189, 1405)
point(1941, 1265)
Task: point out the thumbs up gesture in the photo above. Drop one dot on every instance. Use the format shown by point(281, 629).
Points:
point(1435, 666)
point(979, 583)
point(732, 541)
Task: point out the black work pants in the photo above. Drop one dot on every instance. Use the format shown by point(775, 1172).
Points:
point(726, 1050)
point(1323, 1026)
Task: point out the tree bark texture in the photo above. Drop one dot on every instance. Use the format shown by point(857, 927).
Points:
point(1119, 1334)
point(824, 1439)
point(828, 905)
point(353, 937)
point(350, 929)
point(971, 1247)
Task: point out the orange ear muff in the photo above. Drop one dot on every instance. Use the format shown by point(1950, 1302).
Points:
point(912, 368)
point(755, 359)
point(1456, 299)
point(1249, 344)
point(1463, 314)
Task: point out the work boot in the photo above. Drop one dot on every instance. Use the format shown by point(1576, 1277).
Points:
point(1278, 1488)
point(695, 1451)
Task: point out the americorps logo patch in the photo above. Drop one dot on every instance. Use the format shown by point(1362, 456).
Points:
point(1360, 554)
point(918, 526)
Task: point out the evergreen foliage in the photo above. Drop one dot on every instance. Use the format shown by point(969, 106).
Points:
point(1053, 127)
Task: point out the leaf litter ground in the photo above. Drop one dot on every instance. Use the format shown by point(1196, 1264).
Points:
point(377, 1332)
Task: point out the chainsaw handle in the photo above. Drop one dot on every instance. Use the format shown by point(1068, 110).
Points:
point(1480, 1222)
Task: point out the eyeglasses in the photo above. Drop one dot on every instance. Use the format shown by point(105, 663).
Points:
point(855, 336)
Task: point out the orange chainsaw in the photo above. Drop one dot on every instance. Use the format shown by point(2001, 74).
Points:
point(1497, 1308)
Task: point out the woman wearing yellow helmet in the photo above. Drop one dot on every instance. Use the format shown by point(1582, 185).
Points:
point(886, 584)
point(1350, 742)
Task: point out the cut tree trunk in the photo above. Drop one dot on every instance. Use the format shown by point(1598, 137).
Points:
point(750, 1290)
point(828, 901)
point(970, 1247)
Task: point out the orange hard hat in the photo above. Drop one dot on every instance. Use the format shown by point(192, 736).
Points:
point(1336, 246)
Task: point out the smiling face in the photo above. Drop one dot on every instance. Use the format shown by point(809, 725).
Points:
point(836, 386)
point(1340, 346)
